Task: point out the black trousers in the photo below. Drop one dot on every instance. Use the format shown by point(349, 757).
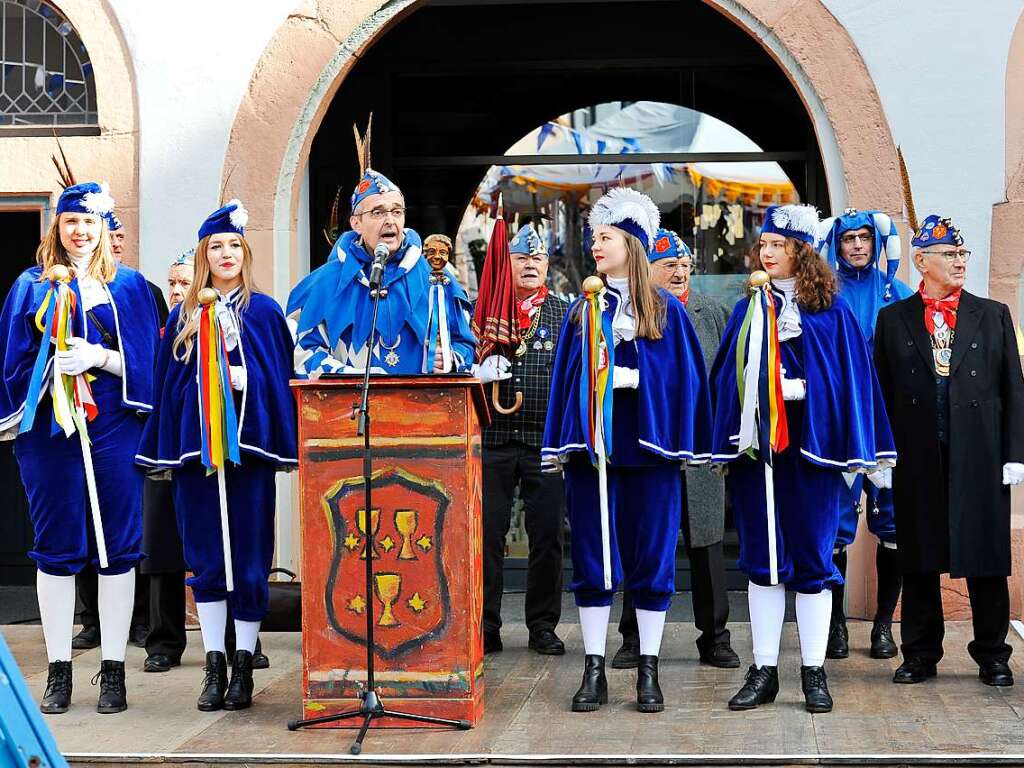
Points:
point(87, 583)
point(166, 614)
point(543, 498)
point(890, 581)
point(923, 627)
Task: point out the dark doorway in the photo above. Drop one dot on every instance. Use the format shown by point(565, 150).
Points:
point(21, 228)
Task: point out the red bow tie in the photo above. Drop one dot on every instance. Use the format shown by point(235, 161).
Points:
point(947, 306)
point(528, 307)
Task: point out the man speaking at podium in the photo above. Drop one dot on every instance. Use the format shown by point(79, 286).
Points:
point(333, 307)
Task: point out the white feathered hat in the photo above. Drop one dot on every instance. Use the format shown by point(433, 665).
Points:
point(631, 211)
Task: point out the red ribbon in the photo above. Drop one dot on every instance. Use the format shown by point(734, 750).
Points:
point(529, 306)
point(947, 306)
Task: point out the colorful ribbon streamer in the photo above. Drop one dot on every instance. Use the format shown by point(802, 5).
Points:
point(596, 377)
point(218, 421)
point(759, 379)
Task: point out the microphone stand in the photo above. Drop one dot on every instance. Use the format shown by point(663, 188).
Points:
point(371, 707)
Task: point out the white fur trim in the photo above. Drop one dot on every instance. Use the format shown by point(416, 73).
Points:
point(621, 204)
point(238, 217)
point(799, 218)
point(100, 203)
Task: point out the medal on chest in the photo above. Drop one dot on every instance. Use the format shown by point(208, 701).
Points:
point(391, 359)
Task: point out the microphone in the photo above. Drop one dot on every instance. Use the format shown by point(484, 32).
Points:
point(380, 257)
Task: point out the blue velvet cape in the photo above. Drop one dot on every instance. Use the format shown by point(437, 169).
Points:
point(267, 423)
point(136, 329)
point(845, 425)
point(673, 403)
point(336, 296)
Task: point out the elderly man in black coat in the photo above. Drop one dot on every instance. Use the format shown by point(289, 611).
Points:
point(949, 369)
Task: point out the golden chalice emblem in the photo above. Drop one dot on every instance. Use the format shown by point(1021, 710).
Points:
point(375, 525)
point(406, 521)
point(387, 586)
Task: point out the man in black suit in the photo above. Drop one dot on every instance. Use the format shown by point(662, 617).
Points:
point(949, 369)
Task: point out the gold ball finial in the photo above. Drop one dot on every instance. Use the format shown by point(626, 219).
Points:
point(593, 284)
point(758, 278)
point(207, 296)
point(60, 273)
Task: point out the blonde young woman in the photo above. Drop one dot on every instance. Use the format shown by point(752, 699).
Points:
point(660, 417)
point(260, 355)
point(114, 333)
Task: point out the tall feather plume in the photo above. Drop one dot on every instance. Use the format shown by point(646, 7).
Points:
point(67, 178)
point(908, 193)
point(221, 202)
point(331, 233)
point(363, 145)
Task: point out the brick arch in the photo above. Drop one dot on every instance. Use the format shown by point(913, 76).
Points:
point(113, 154)
point(313, 50)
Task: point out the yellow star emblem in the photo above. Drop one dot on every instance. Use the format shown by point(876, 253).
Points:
point(387, 544)
point(424, 543)
point(357, 604)
point(416, 602)
point(351, 542)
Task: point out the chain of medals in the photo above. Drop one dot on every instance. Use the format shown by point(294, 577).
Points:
point(942, 345)
point(534, 323)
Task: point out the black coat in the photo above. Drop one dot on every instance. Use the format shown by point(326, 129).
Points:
point(956, 520)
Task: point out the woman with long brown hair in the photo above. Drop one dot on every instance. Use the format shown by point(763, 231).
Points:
point(111, 352)
point(629, 403)
point(259, 349)
point(797, 404)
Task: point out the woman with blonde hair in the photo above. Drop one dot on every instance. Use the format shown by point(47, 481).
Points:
point(797, 403)
point(259, 349)
point(623, 484)
point(112, 346)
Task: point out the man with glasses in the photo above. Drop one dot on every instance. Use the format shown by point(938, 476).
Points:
point(704, 497)
point(949, 369)
point(332, 306)
point(511, 456)
point(854, 245)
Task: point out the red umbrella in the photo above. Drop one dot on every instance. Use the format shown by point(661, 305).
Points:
point(495, 318)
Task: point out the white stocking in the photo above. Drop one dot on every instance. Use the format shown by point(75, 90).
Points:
point(652, 626)
point(594, 624)
point(813, 614)
point(213, 621)
point(56, 595)
point(116, 601)
point(767, 613)
point(246, 633)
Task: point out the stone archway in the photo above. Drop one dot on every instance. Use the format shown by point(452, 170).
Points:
point(113, 154)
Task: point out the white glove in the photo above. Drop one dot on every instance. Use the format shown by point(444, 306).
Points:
point(794, 389)
point(81, 357)
point(238, 376)
point(882, 478)
point(1013, 473)
point(493, 368)
point(625, 378)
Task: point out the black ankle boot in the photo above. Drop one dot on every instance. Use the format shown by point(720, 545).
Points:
point(648, 692)
point(57, 697)
point(761, 687)
point(838, 640)
point(593, 691)
point(215, 684)
point(113, 696)
point(815, 685)
point(883, 646)
point(239, 694)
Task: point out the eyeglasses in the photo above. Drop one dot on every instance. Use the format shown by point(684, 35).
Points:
point(379, 214)
point(850, 239)
point(671, 267)
point(951, 256)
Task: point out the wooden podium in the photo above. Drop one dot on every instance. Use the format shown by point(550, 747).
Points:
point(427, 540)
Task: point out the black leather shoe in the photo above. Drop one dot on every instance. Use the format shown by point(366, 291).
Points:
point(57, 697)
point(260, 660)
point(997, 673)
point(593, 691)
point(761, 687)
point(492, 643)
point(838, 641)
point(547, 643)
point(160, 662)
point(720, 655)
point(138, 634)
point(88, 638)
point(239, 693)
point(883, 646)
point(628, 656)
point(215, 684)
point(914, 671)
point(815, 684)
point(113, 696)
point(648, 693)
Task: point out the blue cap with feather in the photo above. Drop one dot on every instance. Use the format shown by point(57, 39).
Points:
point(668, 245)
point(231, 218)
point(528, 241)
point(87, 197)
point(937, 230)
point(797, 221)
point(631, 211)
point(370, 181)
